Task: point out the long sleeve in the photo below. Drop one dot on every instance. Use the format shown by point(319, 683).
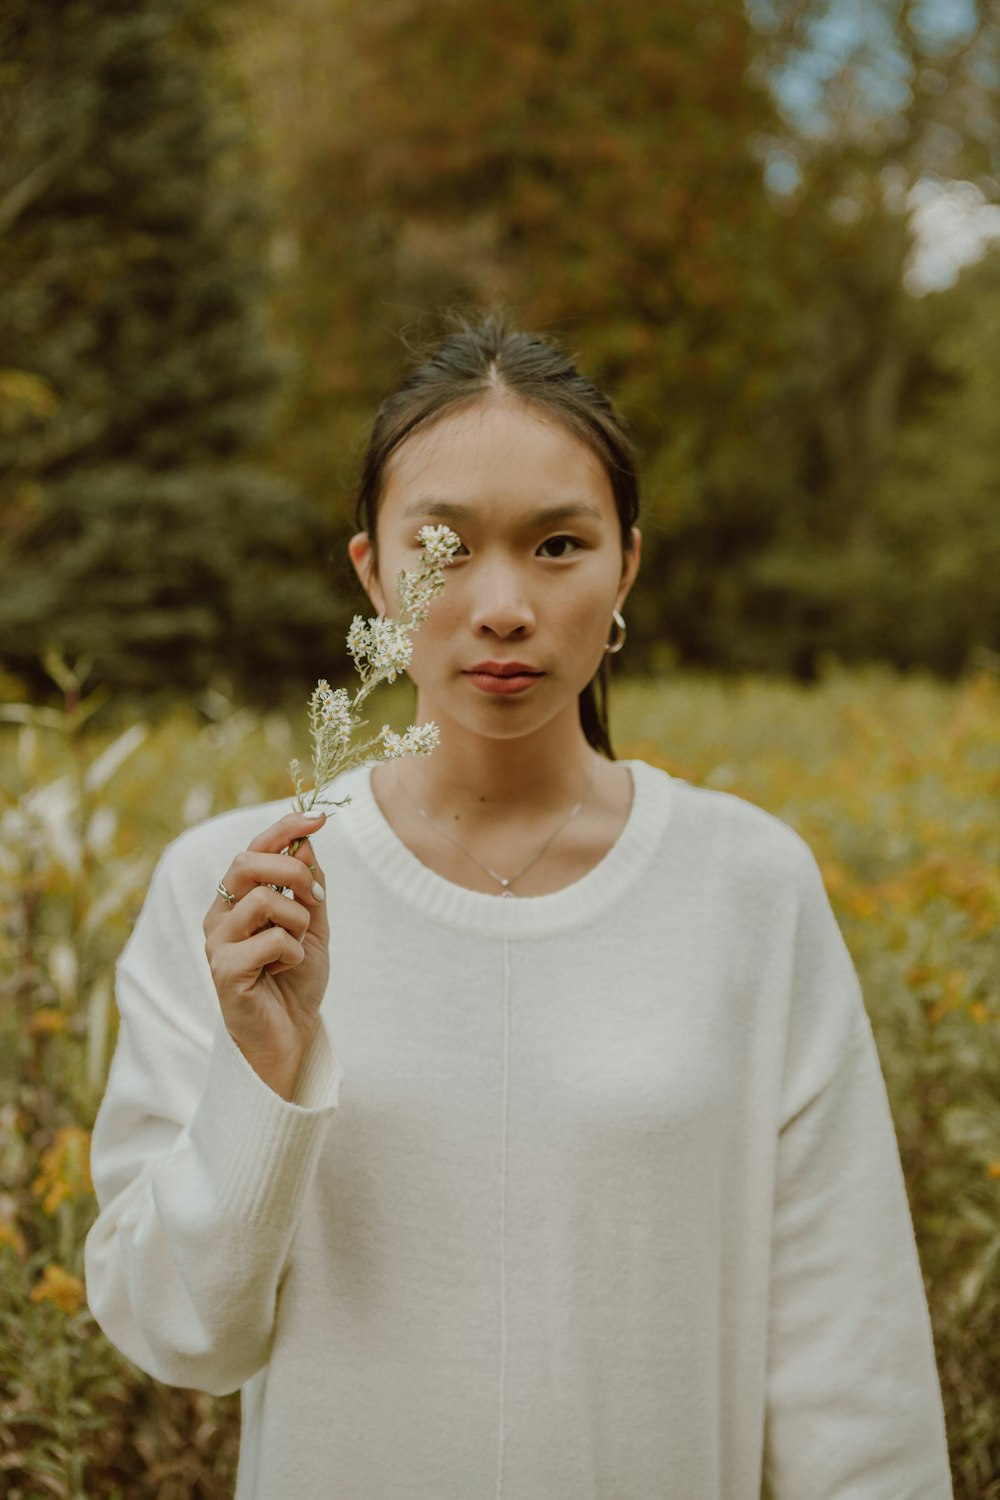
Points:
point(853, 1399)
point(200, 1169)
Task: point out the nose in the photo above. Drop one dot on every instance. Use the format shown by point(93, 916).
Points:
point(500, 603)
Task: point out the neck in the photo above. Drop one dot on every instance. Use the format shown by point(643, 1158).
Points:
point(478, 777)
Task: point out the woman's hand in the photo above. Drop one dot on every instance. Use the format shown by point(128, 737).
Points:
point(268, 953)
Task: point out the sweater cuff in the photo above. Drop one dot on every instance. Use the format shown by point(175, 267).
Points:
point(320, 1077)
point(260, 1150)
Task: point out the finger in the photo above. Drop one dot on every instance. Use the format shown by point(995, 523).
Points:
point(260, 909)
point(319, 922)
point(249, 870)
point(287, 829)
point(263, 910)
point(238, 965)
point(305, 853)
point(307, 856)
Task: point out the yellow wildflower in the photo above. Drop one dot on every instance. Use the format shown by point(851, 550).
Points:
point(12, 1236)
point(64, 1168)
point(61, 1287)
point(835, 877)
point(920, 974)
point(864, 905)
point(45, 1022)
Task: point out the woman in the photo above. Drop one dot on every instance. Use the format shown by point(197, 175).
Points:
point(609, 1205)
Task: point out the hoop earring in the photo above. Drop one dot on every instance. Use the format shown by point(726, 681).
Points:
point(614, 646)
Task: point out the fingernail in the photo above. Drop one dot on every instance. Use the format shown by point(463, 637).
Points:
point(318, 891)
point(314, 817)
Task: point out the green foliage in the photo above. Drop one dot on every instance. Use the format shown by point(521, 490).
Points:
point(911, 576)
point(141, 376)
point(864, 561)
point(798, 411)
point(892, 780)
point(936, 509)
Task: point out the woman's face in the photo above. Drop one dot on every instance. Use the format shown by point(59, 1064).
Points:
point(536, 580)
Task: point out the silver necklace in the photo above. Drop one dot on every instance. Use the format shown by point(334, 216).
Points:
point(506, 881)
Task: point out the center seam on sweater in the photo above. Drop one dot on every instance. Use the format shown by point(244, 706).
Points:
point(505, 1013)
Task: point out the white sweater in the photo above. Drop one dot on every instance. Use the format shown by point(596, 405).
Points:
point(598, 1197)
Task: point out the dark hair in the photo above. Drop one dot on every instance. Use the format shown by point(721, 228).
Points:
point(475, 361)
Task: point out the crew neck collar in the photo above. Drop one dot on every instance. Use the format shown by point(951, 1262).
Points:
point(441, 900)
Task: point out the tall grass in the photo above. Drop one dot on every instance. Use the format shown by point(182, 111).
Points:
point(893, 781)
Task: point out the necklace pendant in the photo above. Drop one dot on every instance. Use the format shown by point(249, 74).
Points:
point(504, 882)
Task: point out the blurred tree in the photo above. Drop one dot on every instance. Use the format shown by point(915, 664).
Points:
point(880, 100)
point(596, 173)
point(603, 175)
point(135, 525)
point(935, 516)
point(605, 180)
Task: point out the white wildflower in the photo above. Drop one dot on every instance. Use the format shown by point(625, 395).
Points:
point(391, 744)
point(417, 592)
point(357, 640)
point(335, 713)
point(421, 739)
point(391, 648)
point(380, 649)
point(418, 739)
point(439, 543)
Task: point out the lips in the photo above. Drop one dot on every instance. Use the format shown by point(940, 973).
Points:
point(503, 677)
point(504, 669)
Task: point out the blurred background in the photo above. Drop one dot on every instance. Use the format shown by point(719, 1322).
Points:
point(769, 228)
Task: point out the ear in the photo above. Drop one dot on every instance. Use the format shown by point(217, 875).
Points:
point(362, 554)
point(630, 566)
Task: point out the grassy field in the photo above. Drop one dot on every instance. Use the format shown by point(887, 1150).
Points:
point(894, 782)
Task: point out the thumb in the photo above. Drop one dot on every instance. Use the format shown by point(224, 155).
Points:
point(319, 924)
point(319, 921)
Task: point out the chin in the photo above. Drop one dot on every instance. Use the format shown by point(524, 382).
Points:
point(510, 719)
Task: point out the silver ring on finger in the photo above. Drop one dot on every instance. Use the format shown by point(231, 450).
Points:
point(227, 896)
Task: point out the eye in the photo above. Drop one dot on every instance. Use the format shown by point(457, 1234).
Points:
point(559, 546)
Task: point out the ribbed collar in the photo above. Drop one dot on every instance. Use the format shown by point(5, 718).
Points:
point(442, 901)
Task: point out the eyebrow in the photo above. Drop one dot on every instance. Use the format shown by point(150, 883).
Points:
point(549, 515)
